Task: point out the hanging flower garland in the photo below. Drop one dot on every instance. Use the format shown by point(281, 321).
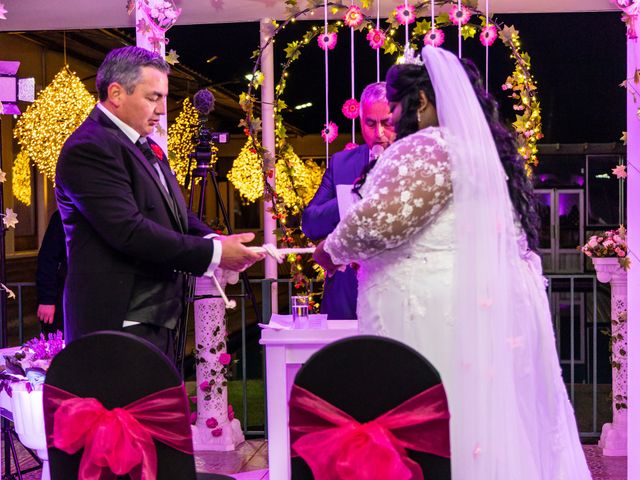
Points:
point(47, 123)
point(3, 12)
point(521, 84)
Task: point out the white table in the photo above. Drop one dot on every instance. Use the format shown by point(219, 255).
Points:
point(286, 351)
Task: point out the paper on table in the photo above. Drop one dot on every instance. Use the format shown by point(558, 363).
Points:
point(346, 199)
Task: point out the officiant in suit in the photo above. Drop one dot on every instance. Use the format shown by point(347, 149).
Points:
point(129, 235)
point(321, 215)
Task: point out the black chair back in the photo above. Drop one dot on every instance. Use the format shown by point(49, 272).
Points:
point(116, 368)
point(366, 376)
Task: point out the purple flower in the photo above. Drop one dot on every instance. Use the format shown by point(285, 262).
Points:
point(328, 41)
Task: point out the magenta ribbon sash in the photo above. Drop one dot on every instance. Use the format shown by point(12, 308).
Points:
point(119, 441)
point(338, 447)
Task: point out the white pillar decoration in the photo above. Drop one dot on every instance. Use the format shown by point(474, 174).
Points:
point(613, 439)
point(269, 143)
point(152, 37)
point(215, 428)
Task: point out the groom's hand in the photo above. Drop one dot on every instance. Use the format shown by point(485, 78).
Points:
point(235, 255)
point(323, 259)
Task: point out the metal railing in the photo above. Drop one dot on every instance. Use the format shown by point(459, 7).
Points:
point(568, 297)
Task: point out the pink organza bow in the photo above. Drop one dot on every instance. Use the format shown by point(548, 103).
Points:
point(118, 441)
point(337, 447)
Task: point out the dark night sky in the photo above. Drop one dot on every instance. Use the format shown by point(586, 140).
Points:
point(578, 60)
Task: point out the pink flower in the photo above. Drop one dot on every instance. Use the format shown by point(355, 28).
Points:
point(350, 146)
point(224, 358)
point(230, 414)
point(459, 16)
point(211, 422)
point(620, 252)
point(204, 386)
point(194, 399)
point(488, 35)
point(194, 417)
point(328, 41)
point(435, 37)
point(217, 432)
point(405, 15)
point(351, 108)
point(353, 17)
point(330, 132)
point(376, 38)
point(620, 171)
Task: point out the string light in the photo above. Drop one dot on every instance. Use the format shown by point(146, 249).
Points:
point(297, 180)
point(47, 123)
point(180, 140)
point(21, 178)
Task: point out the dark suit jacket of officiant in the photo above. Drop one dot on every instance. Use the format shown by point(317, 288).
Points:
point(127, 238)
point(321, 217)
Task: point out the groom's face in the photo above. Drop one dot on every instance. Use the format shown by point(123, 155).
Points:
point(375, 124)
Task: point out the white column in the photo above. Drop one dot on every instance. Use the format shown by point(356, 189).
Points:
point(613, 440)
point(213, 430)
point(143, 41)
point(633, 235)
point(269, 143)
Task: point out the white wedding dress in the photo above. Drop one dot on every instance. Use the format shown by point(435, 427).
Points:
point(402, 235)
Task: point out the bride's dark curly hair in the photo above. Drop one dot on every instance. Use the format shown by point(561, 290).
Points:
point(405, 81)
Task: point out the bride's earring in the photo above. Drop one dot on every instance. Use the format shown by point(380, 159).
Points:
point(418, 117)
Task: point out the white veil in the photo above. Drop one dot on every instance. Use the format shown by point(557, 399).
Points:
point(494, 425)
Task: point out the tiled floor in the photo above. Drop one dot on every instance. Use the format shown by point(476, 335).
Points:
point(249, 462)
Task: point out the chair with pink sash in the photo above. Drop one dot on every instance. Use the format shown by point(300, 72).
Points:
point(116, 408)
point(369, 408)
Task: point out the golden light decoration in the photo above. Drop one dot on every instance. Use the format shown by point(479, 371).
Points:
point(296, 180)
point(246, 174)
point(47, 123)
point(21, 178)
point(180, 140)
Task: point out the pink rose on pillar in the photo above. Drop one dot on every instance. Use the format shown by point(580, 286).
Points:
point(204, 386)
point(230, 413)
point(217, 432)
point(224, 358)
point(211, 422)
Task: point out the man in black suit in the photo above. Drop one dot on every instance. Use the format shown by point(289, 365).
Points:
point(129, 234)
point(50, 275)
point(321, 216)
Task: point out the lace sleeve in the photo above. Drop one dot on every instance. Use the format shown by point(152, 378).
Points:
point(405, 191)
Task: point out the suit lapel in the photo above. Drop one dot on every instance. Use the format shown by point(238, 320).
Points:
point(173, 206)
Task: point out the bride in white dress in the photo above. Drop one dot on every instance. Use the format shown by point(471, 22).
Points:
point(441, 238)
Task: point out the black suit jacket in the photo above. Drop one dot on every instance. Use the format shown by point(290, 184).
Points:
point(321, 217)
point(127, 241)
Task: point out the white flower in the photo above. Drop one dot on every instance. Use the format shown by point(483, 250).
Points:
point(405, 196)
point(10, 218)
point(406, 210)
point(403, 170)
point(439, 179)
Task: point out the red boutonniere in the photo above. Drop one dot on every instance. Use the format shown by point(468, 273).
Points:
point(157, 150)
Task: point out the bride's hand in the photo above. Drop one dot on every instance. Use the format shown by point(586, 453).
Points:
point(323, 259)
